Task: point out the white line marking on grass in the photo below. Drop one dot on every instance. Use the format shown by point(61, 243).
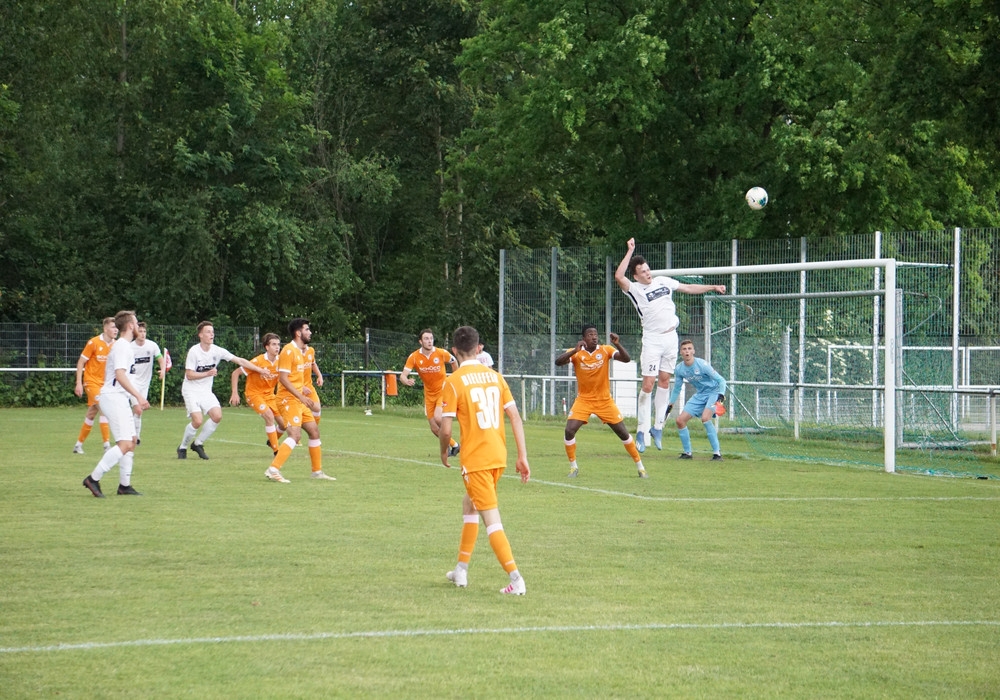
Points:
point(559, 629)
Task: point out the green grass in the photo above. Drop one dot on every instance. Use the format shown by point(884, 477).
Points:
point(749, 578)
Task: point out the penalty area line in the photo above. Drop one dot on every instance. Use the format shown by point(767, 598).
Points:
point(556, 629)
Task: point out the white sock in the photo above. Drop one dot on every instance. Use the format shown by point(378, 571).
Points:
point(189, 433)
point(643, 408)
point(660, 404)
point(206, 431)
point(138, 426)
point(109, 460)
point(125, 468)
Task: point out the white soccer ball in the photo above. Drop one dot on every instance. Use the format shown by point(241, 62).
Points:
point(757, 197)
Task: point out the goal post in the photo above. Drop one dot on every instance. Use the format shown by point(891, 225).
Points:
point(889, 310)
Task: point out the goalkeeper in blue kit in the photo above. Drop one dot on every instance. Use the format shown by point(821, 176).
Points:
point(711, 389)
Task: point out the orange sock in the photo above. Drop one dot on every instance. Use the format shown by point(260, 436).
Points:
point(501, 547)
point(453, 442)
point(105, 430)
point(632, 450)
point(272, 439)
point(316, 455)
point(85, 430)
point(470, 531)
point(570, 449)
point(283, 452)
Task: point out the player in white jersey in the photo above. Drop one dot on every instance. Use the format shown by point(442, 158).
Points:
point(146, 351)
point(200, 369)
point(653, 300)
point(115, 405)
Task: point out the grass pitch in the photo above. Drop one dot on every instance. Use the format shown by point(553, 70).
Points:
point(743, 578)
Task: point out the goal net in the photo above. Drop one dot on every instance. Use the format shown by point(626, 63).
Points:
point(840, 362)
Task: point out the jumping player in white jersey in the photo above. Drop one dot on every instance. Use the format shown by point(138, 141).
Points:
point(200, 369)
point(115, 396)
point(146, 351)
point(653, 300)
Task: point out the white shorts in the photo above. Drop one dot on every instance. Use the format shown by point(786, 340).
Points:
point(144, 390)
point(659, 354)
point(118, 410)
point(200, 402)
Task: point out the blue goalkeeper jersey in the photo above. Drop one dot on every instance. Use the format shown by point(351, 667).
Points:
point(700, 375)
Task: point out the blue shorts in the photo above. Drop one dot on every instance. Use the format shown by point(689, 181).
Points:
point(696, 404)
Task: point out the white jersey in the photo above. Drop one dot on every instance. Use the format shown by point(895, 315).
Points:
point(145, 356)
point(200, 360)
point(485, 358)
point(120, 357)
point(655, 304)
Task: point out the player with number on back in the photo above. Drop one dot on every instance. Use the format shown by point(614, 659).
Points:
point(653, 300)
point(476, 395)
point(592, 365)
point(710, 387)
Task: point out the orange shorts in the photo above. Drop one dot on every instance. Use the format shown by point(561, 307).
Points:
point(293, 412)
point(263, 402)
point(606, 410)
point(481, 485)
point(431, 404)
point(93, 393)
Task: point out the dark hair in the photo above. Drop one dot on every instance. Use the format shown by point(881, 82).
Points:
point(635, 262)
point(296, 325)
point(587, 327)
point(686, 341)
point(141, 324)
point(203, 324)
point(466, 339)
point(268, 337)
point(420, 335)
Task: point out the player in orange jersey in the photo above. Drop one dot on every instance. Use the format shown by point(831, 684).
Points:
point(260, 391)
point(296, 402)
point(313, 369)
point(478, 396)
point(429, 362)
point(90, 377)
point(592, 365)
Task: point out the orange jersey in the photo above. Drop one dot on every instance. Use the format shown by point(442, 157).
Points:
point(593, 371)
point(96, 352)
point(310, 354)
point(477, 396)
point(256, 384)
point(291, 363)
point(431, 369)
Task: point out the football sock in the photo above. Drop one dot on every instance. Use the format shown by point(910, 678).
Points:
point(713, 436)
point(660, 404)
point(467, 543)
point(206, 431)
point(685, 436)
point(189, 433)
point(632, 450)
point(272, 435)
point(453, 442)
point(125, 468)
point(138, 426)
point(316, 455)
point(88, 424)
point(501, 547)
point(105, 429)
point(109, 460)
point(283, 452)
point(571, 449)
point(643, 410)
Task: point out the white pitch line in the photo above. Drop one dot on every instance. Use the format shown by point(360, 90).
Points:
point(559, 629)
point(672, 499)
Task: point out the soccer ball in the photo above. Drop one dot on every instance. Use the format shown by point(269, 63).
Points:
point(757, 197)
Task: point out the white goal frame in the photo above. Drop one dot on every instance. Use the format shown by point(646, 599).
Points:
point(893, 330)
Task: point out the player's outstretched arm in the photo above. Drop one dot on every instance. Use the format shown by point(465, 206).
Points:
point(622, 355)
point(620, 277)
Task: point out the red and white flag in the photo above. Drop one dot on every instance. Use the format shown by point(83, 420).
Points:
point(169, 364)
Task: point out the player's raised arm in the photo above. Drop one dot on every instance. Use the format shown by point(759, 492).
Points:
point(620, 278)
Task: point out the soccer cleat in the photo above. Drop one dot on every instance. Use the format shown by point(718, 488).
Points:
point(182, 453)
point(573, 472)
point(78, 449)
point(127, 491)
point(94, 486)
point(199, 450)
point(138, 440)
point(454, 450)
point(643, 474)
point(685, 455)
point(274, 474)
point(640, 442)
point(460, 577)
point(515, 587)
point(107, 446)
point(716, 458)
point(657, 435)
point(320, 475)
